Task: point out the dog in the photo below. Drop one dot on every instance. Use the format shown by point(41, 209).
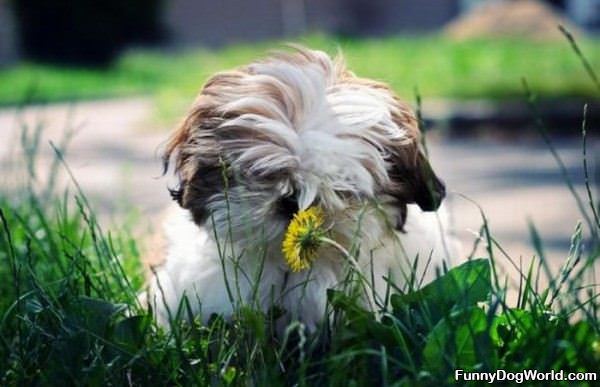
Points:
point(268, 140)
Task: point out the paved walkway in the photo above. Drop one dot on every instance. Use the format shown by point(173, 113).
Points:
point(515, 183)
point(114, 156)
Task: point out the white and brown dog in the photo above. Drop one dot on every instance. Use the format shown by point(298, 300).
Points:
point(276, 136)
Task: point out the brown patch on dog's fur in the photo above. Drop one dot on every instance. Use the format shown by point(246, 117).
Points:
point(412, 179)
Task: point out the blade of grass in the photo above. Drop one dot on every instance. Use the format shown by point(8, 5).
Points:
point(586, 168)
point(541, 126)
point(579, 53)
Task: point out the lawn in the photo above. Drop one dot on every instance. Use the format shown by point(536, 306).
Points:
point(69, 314)
point(68, 296)
point(438, 67)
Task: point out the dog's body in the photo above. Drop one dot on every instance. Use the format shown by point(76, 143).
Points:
point(278, 136)
point(193, 266)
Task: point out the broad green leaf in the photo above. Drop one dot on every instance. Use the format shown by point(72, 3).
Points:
point(130, 332)
point(461, 287)
point(511, 325)
point(454, 341)
point(91, 314)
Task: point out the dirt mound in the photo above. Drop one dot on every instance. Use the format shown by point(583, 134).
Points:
point(527, 19)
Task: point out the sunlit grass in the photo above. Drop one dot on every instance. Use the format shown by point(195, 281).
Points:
point(437, 66)
point(69, 313)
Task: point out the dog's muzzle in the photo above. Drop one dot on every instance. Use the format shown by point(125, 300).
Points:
point(430, 191)
point(431, 197)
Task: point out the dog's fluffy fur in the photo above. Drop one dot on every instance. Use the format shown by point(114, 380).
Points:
point(291, 131)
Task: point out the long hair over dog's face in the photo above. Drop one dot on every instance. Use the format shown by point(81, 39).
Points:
point(294, 130)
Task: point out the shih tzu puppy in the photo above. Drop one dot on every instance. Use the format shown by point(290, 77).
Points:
point(277, 141)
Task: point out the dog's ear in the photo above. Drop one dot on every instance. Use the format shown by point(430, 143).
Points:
point(412, 177)
point(195, 155)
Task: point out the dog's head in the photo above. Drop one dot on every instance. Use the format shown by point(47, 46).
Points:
point(295, 130)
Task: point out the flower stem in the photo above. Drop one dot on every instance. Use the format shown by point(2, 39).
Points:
point(354, 263)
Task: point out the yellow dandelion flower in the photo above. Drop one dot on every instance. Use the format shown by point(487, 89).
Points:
point(303, 238)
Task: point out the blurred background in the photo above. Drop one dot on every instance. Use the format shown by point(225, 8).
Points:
point(121, 73)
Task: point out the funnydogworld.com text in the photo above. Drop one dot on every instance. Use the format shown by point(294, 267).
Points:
point(524, 376)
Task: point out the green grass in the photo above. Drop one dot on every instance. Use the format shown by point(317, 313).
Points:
point(488, 69)
point(69, 315)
